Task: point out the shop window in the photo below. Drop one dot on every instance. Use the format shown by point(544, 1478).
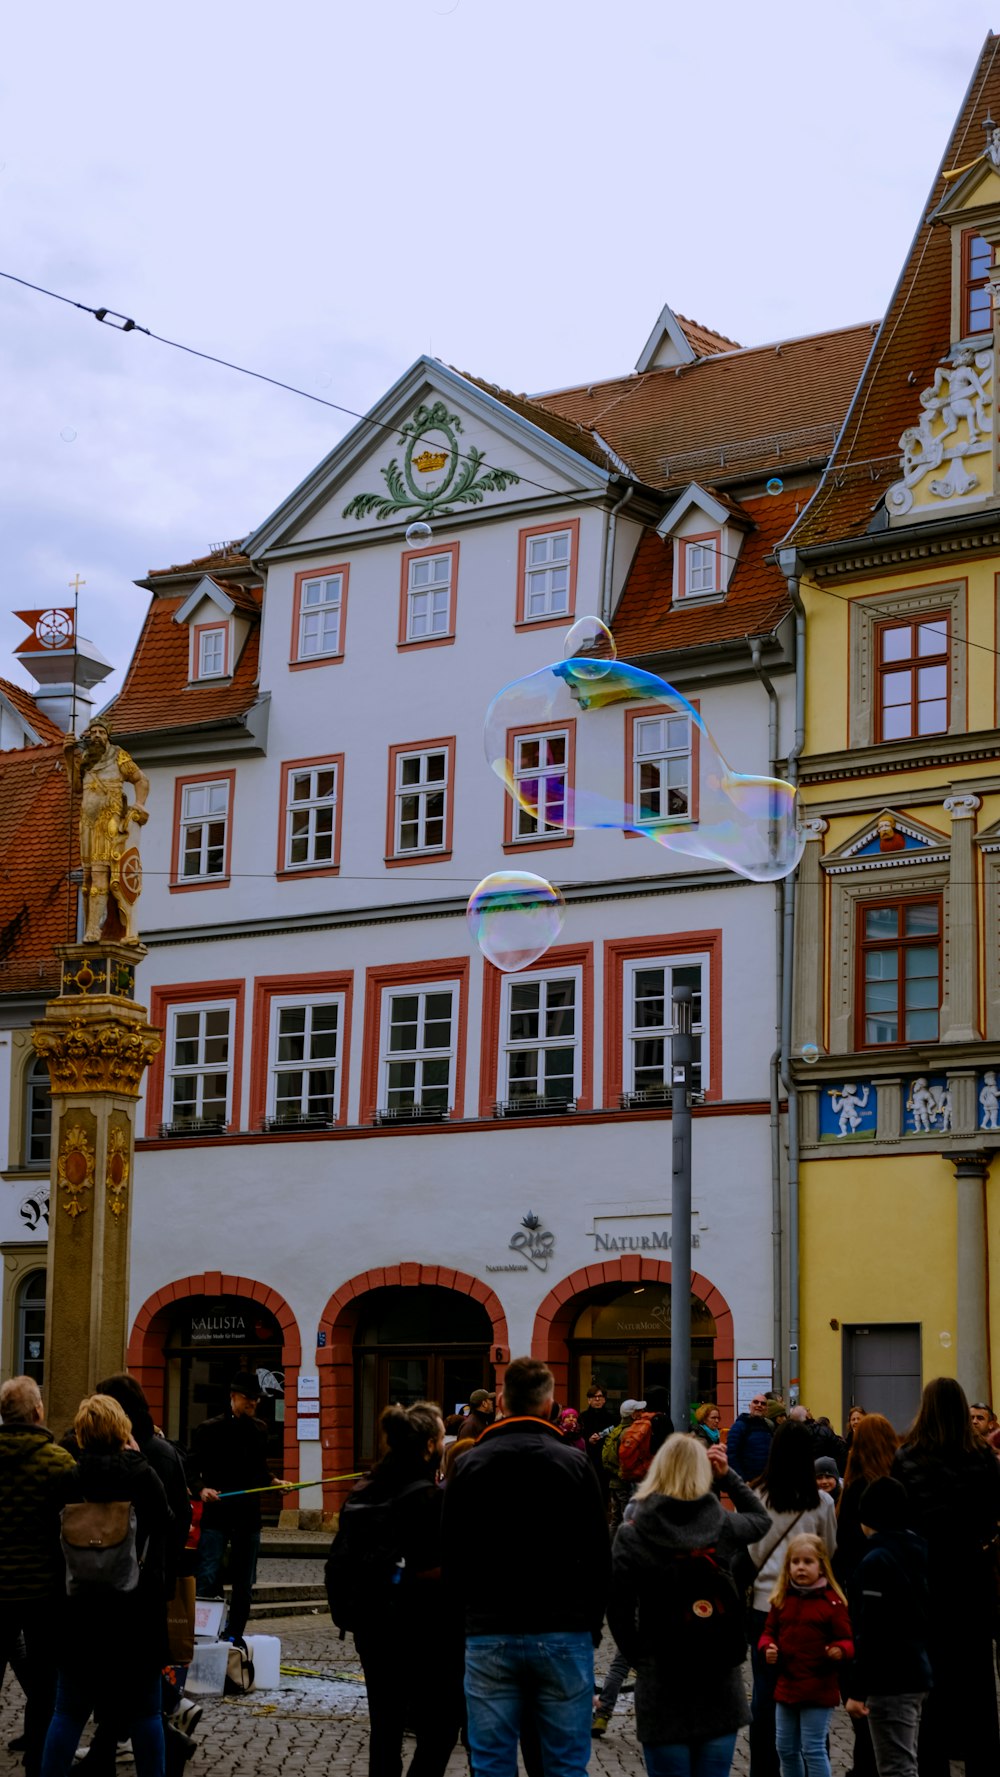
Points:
point(210, 1339)
point(899, 986)
point(30, 1327)
point(37, 1115)
point(416, 1344)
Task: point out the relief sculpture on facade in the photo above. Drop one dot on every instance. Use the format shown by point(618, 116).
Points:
point(954, 429)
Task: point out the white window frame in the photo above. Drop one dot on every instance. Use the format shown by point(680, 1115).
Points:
point(35, 1075)
point(312, 805)
point(211, 817)
point(215, 633)
point(537, 576)
point(421, 990)
point(509, 1046)
point(309, 1004)
point(660, 756)
point(695, 959)
point(171, 1072)
point(423, 789)
point(317, 646)
point(530, 828)
point(422, 604)
point(701, 567)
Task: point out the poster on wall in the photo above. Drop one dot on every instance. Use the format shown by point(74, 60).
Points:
point(754, 1375)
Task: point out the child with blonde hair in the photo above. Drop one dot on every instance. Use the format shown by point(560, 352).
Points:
point(806, 1636)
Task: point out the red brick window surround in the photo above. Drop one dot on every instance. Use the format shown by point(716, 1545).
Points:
point(542, 761)
point(914, 677)
point(211, 644)
point(202, 841)
point(301, 1047)
point(414, 1045)
point(899, 971)
point(421, 802)
point(977, 260)
point(547, 560)
point(428, 595)
point(319, 616)
point(662, 763)
point(310, 816)
point(638, 976)
point(536, 1028)
point(201, 1062)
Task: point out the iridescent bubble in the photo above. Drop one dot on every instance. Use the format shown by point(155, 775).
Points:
point(809, 1053)
point(514, 916)
point(775, 485)
point(67, 435)
point(679, 789)
point(591, 645)
point(417, 534)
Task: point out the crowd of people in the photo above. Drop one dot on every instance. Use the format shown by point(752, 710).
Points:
point(109, 1535)
point(478, 1565)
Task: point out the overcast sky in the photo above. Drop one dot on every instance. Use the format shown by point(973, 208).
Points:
point(323, 191)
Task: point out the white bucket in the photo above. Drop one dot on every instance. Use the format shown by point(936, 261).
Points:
point(265, 1652)
point(207, 1671)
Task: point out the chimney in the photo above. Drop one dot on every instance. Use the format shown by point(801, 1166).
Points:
point(57, 671)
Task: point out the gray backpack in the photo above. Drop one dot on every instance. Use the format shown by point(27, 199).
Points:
point(98, 1540)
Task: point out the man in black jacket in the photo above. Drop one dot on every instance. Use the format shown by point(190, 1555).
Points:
point(533, 1615)
point(228, 1456)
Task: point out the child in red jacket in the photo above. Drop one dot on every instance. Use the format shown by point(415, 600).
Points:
point(806, 1635)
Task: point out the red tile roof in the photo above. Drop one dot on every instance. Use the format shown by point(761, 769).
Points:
point(704, 340)
point(227, 555)
point(647, 622)
point(156, 692)
point(735, 415)
point(914, 337)
point(25, 705)
point(38, 847)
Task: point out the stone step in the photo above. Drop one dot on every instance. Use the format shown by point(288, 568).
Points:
point(272, 1592)
point(262, 1612)
point(302, 1545)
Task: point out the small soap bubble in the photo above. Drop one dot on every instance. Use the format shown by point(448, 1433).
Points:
point(775, 485)
point(591, 645)
point(418, 533)
point(514, 916)
point(809, 1053)
point(67, 435)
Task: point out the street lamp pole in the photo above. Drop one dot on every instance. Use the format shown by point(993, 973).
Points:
point(680, 1208)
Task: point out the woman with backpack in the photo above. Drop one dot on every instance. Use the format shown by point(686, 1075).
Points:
point(675, 1612)
point(110, 1632)
point(384, 1584)
point(795, 1506)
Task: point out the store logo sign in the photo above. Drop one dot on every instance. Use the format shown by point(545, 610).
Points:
point(533, 1242)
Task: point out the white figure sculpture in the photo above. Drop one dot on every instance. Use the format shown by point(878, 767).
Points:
point(923, 1105)
point(989, 1098)
point(944, 1106)
point(848, 1103)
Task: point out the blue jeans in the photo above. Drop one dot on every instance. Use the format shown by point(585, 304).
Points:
point(138, 1711)
point(801, 1739)
point(244, 1547)
point(697, 1758)
point(554, 1675)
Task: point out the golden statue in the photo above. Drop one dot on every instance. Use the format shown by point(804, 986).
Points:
point(111, 866)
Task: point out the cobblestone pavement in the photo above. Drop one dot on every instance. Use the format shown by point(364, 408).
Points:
point(321, 1723)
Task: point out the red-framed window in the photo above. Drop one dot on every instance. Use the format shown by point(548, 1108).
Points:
point(521, 1029)
point(421, 807)
point(638, 972)
point(977, 258)
point(899, 971)
point(311, 816)
point(319, 616)
point(701, 565)
point(415, 1036)
point(428, 594)
point(662, 762)
point(202, 843)
point(542, 763)
point(913, 677)
point(300, 1047)
point(210, 647)
point(546, 574)
point(197, 1075)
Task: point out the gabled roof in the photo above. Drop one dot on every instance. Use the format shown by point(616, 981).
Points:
point(752, 411)
point(716, 507)
point(228, 598)
point(756, 600)
point(23, 704)
point(38, 846)
point(911, 342)
point(157, 693)
point(676, 340)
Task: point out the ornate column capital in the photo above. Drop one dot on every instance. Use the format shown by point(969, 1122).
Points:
point(966, 1166)
point(962, 808)
point(815, 828)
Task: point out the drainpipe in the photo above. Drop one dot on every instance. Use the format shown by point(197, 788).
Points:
point(609, 554)
point(789, 563)
point(775, 1062)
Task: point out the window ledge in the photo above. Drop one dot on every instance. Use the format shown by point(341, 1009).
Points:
point(290, 871)
point(214, 679)
point(698, 598)
point(199, 882)
point(545, 622)
point(417, 857)
point(297, 666)
point(544, 842)
point(414, 642)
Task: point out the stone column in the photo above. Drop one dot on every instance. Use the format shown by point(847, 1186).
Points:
point(958, 1012)
point(810, 955)
point(97, 1044)
point(972, 1362)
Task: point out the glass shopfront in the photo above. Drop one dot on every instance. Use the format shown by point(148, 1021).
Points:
point(210, 1340)
point(621, 1340)
point(417, 1344)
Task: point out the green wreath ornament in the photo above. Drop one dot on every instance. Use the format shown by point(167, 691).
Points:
point(463, 485)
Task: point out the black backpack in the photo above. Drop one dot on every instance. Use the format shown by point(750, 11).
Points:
point(693, 1613)
point(366, 1560)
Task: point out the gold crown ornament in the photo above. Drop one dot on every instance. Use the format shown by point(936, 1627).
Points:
point(429, 460)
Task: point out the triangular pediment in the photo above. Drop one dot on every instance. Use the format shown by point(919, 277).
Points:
point(667, 344)
point(697, 499)
point(887, 840)
point(975, 188)
point(989, 837)
point(207, 591)
point(438, 446)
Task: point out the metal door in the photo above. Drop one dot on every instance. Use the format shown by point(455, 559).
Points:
point(882, 1371)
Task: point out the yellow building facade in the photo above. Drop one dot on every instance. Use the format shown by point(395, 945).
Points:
point(893, 1041)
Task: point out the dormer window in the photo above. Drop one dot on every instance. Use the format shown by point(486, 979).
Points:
point(977, 258)
point(211, 650)
point(700, 566)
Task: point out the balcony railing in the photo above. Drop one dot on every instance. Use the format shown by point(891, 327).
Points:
point(194, 1126)
point(533, 1104)
point(292, 1121)
point(411, 1113)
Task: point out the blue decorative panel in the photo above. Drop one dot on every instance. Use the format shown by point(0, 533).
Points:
point(848, 1112)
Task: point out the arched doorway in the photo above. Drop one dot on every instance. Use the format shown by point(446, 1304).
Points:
point(617, 1313)
point(430, 1344)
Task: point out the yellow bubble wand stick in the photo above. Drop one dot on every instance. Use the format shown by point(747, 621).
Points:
point(290, 1486)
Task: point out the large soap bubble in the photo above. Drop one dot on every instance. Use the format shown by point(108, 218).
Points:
point(667, 779)
point(514, 916)
point(591, 644)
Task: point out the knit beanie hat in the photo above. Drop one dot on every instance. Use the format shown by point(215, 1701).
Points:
point(775, 1410)
point(825, 1465)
